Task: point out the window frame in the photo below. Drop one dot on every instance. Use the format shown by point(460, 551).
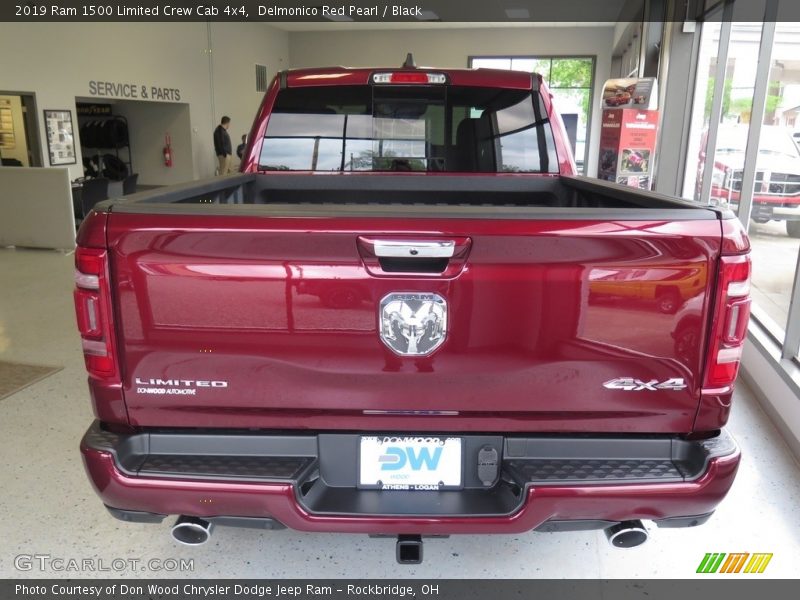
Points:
point(551, 57)
point(539, 129)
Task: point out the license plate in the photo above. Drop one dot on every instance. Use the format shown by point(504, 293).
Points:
point(410, 462)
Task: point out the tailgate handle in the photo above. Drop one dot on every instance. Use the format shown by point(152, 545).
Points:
point(401, 256)
point(413, 249)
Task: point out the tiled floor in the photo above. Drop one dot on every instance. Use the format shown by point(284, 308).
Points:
point(48, 507)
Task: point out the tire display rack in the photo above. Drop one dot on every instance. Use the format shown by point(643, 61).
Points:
point(106, 135)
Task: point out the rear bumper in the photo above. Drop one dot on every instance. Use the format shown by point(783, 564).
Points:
point(303, 482)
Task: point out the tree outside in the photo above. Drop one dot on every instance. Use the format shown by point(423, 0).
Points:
point(739, 109)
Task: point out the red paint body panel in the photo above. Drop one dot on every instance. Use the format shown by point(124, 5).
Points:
point(612, 503)
point(734, 238)
point(547, 311)
point(566, 162)
point(108, 401)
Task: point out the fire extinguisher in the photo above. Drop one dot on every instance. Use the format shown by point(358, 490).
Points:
point(167, 150)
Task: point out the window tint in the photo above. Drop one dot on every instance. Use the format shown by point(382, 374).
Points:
point(408, 128)
point(570, 82)
point(518, 148)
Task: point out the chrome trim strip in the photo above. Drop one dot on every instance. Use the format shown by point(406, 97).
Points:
point(414, 249)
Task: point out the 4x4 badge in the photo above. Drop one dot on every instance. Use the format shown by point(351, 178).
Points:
point(629, 384)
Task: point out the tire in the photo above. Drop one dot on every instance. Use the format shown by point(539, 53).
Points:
point(115, 169)
point(687, 343)
point(668, 301)
point(793, 229)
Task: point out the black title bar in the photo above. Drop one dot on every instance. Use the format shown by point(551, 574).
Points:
point(396, 589)
point(413, 11)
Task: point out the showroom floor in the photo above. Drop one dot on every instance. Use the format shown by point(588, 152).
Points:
point(48, 506)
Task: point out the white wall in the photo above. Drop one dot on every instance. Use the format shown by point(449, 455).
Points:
point(28, 194)
point(56, 61)
point(148, 122)
point(620, 30)
point(451, 48)
point(237, 48)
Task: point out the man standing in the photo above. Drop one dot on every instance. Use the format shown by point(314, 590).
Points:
point(240, 148)
point(222, 145)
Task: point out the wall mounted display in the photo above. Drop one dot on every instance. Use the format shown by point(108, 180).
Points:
point(60, 137)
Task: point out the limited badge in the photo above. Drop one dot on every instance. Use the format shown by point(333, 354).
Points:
point(413, 323)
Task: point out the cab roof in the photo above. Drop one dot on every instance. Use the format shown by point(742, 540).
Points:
point(496, 78)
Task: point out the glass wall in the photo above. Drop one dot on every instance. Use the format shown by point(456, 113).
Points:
point(775, 214)
point(761, 85)
point(570, 80)
point(701, 109)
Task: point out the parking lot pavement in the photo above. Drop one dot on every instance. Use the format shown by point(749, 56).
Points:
point(774, 263)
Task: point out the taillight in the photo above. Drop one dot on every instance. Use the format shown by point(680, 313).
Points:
point(406, 77)
point(729, 325)
point(93, 311)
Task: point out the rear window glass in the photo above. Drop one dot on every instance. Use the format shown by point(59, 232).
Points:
point(408, 128)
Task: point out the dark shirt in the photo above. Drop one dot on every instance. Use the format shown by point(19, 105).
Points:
point(222, 141)
point(240, 149)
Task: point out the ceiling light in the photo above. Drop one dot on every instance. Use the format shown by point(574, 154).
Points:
point(518, 13)
point(427, 15)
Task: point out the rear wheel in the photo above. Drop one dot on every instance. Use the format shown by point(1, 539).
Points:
point(668, 301)
point(793, 228)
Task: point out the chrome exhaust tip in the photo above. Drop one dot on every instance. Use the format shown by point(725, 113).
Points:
point(627, 534)
point(191, 531)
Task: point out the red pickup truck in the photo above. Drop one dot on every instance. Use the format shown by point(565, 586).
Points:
point(387, 324)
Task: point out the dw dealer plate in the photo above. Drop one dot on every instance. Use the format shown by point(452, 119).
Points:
point(410, 462)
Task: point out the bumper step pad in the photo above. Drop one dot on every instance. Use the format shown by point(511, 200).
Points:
point(255, 468)
point(544, 471)
point(322, 467)
point(193, 454)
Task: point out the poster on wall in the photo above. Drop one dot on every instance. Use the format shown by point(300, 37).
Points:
point(7, 139)
point(627, 145)
point(60, 137)
point(630, 92)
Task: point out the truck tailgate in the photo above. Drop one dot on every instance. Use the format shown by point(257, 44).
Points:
point(552, 325)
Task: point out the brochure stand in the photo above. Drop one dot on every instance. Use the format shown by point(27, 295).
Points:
point(629, 132)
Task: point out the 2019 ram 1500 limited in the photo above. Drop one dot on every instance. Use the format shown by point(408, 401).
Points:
point(387, 324)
